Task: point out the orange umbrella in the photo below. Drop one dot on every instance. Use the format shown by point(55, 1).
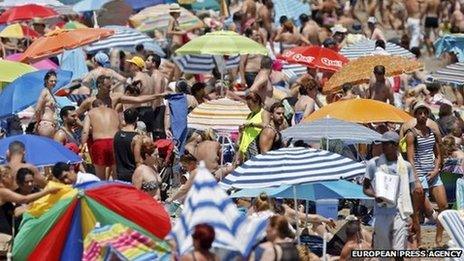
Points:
point(361, 111)
point(60, 40)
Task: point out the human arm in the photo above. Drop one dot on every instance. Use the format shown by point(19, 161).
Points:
point(241, 68)
point(346, 252)
point(86, 105)
point(138, 140)
point(391, 97)
point(183, 190)
point(85, 130)
point(438, 159)
point(137, 178)
point(126, 99)
point(167, 123)
point(11, 196)
point(309, 108)
point(60, 137)
point(410, 138)
point(266, 139)
point(40, 106)
point(171, 30)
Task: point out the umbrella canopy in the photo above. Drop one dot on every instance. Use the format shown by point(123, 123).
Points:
point(333, 189)
point(366, 47)
point(120, 241)
point(89, 5)
point(207, 203)
point(157, 17)
point(361, 111)
point(18, 31)
point(206, 5)
point(35, 148)
point(294, 71)
point(451, 74)
point(124, 38)
point(331, 129)
point(360, 70)
point(450, 43)
point(74, 25)
point(25, 91)
point(203, 63)
point(291, 166)
point(222, 43)
point(139, 4)
point(26, 12)
point(26, 2)
point(55, 226)
point(60, 40)
point(12, 70)
point(222, 114)
point(45, 64)
point(290, 8)
point(315, 57)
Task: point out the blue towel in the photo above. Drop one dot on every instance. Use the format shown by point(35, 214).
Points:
point(178, 107)
point(74, 61)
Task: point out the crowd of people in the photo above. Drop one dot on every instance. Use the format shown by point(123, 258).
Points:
point(121, 124)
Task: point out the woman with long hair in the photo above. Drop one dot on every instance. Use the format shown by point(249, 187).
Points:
point(203, 238)
point(146, 177)
point(46, 108)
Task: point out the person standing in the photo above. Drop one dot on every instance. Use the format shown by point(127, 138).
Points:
point(376, 33)
point(380, 88)
point(391, 218)
point(46, 107)
point(71, 130)
point(263, 85)
point(413, 22)
point(270, 137)
point(123, 144)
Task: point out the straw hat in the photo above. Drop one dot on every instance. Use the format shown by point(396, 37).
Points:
point(38, 20)
point(174, 8)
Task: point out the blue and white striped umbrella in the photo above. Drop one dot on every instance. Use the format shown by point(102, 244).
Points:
point(454, 226)
point(203, 63)
point(332, 129)
point(123, 38)
point(292, 166)
point(290, 8)
point(294, 71)
point(366, 47)
point(451, 74)
point(207, 203)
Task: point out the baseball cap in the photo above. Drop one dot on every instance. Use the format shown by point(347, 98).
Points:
point(418, 105)
point(139, 62)
point(390, 136)
point(372, 20)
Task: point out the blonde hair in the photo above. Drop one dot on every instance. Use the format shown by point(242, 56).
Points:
point(262, 202)
point(4, 170)
point(209, 134)
point(448, 146)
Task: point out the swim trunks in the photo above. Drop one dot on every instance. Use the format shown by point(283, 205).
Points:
point(101, 152)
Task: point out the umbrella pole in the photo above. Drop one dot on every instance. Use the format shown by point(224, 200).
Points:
point(297, 216)
point(324, 246)
point(95, 20)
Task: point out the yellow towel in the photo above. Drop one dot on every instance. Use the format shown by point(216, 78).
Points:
point(250, 133)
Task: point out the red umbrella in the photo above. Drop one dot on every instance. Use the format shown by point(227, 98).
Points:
point(26, 12)
point(315, 57)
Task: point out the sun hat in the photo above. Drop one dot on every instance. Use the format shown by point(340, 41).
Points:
point(139, 62)
point(420, 104)
point(174, 8)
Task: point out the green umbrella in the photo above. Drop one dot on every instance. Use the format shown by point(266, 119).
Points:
point(222, 43)
point(206, 5)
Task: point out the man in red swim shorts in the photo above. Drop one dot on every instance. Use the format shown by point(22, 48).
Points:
point(101, 123)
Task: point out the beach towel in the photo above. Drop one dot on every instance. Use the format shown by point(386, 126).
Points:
point(179, 111)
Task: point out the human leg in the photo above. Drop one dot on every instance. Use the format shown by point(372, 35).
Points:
point(400, 233)
point(383, 226)
point(439, 194)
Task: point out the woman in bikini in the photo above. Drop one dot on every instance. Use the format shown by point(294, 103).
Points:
point(46, 107)
point(146, 177)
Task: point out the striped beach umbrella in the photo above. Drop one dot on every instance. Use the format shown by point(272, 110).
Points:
point(124, 38)
point(222, 114)
point(294, 70)
point(290, 8)
point(452, 74)
point(367, 47)
point(292, 166)
point(207, 203)
point(203, 63)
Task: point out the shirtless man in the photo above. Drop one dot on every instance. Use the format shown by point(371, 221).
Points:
point(265, 15)
point(249, 9)
point(263, 85)
point(432, 16)
point(289, 37)
point(353, 240)
point(379, 88)
point(309, 29)
point(70, 132)
point(15, 158)
point(457, 18)
point(270, 137)
point(249, 68)
point(101, 62)
point(413, 22)
point(376, 33)
point(101, 123)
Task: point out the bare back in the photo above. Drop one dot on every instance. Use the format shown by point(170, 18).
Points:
point(159, 82)
point(209, 152)
point(104, 123)
point(432, 9)
point(263, 86)
point(148, 85)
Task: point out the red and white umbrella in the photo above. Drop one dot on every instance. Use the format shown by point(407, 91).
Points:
point(315, 57)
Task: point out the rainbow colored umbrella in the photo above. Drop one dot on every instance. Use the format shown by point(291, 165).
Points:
point(55, 226)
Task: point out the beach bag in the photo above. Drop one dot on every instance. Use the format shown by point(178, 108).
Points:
point(386, 186)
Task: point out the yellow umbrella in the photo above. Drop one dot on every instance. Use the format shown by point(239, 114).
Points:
point(18, 31)
point(12, 70)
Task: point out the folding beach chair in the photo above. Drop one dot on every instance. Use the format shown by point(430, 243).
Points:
point(454, 226)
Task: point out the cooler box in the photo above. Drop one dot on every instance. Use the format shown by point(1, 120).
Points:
point(327, 208)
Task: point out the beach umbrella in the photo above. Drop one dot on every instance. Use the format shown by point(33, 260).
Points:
point(315, 57)
point(203, 63)
point(27, 2)
point(55, 226)
point(123, 38)
point(45, 64)
point(361, 70)
point(26, 12)
point(361, 111)
point(222, 43)
point(140, 4)
point(331, 129)
point(157, 17)
point(74, 60)
point(12, 70)
point(332, 189)
point(206, 5)
point(451, 74)
point(207, 203)
point(290, 8)
point(18, 31)
point(294, 71)
point(121, 242)
point(74, 25)
point(59, 40)
point(366, 47)
point(222, 114)
point(451, 43)
point(89, 5)
point(40, 151)
point(291, 166)
point(25, 91)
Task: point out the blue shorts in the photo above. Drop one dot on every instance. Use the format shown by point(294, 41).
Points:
point(426, 185)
